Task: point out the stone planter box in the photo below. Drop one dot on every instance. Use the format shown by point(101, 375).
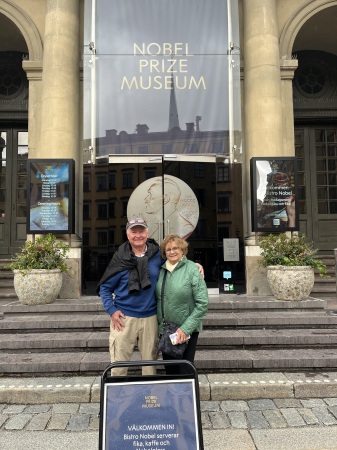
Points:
point(291, 282)
point(37, 287)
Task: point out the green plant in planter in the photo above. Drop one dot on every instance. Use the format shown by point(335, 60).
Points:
point(281, 250)
point(44, 253)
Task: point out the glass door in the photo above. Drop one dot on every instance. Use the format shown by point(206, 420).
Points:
point(197, 197)
point(13, 189)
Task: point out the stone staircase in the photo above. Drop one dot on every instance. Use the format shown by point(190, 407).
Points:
point(240, 334)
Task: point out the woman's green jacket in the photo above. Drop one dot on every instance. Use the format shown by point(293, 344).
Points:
point(185, 297)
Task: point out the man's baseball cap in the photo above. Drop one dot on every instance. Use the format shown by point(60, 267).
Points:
point(137, 222)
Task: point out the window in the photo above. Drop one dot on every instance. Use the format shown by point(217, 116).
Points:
point(102, 211)
point(120, 150)
point(111, 236)
point(199, 170)
point(223, 173)
point(149, 173)
point(111, 210)
point(124, 206)
point(86, 238)
point(112, 181)
point(86, 183)
point(223, 203)
point(127, 180)
point(224, 231)
point(102, 237)
point(86, 211)
point(102, 182)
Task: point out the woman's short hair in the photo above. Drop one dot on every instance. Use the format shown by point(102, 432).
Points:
point(182, 244)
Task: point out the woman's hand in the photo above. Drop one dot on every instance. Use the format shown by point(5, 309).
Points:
point(182, 337)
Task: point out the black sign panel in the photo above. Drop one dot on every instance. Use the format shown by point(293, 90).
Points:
point(274, 194)
point(50, 196)
point(150, 415)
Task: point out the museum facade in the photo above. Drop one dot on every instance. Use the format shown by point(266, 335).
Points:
point(160, 107)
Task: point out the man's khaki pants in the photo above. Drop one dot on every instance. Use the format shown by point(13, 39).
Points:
point(122, 343)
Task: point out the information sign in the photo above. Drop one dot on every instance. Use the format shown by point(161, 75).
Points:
point(50, 196)
point(159, 412)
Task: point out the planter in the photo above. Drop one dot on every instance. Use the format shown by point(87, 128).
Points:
point(291, 282)
point(37, 286)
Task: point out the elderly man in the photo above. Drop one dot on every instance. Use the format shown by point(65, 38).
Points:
point(127, 292)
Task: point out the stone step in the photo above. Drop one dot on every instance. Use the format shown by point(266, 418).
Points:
point(98, 340)
point(219, 303)
point(95, 321)
point(206, 361)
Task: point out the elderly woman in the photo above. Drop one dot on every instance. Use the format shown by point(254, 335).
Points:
point(185, 299)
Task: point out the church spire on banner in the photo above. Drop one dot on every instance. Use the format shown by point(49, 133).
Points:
point(173, 114)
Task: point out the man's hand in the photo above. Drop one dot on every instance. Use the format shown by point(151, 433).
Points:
point(117, 323)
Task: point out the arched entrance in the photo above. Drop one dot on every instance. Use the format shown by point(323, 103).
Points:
point(315, 106)
point(14, 137)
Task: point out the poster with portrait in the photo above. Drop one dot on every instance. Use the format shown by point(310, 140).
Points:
point(50, 196)
point(274, 194)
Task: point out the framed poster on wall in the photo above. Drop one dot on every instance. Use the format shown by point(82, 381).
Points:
point(51, 196)
point(274, 194)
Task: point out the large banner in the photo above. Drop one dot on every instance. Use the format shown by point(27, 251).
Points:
point(160, 66)
point(274, 193)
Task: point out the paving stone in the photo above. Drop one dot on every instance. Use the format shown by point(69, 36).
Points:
point(89, 408)
point(324, 416)
point(308, 416)
point(59, 422)
point(93, 423)
point(3, 419)
point(14, 409)
point(78, 422)
point(260, 405)
point(18, 422)
point(209, 406)
point(331, 401)
point(274, 418)
point(39, 422)
point(2, 407)
point(206, 421)
point(313, 402)
point(333, 410)
point(237, 419)
point(292, 417)
point(37, 409)
point(256, 420)
point(231, 405)
point(219, 420)
point(287, 402)
point(65, 408)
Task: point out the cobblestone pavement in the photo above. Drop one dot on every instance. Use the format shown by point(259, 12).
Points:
point(228, 414)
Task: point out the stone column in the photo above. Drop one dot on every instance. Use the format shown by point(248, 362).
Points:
point(262, 109)
point(60, 112)
point(60, 92)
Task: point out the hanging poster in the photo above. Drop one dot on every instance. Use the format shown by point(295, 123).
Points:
point(274, 194)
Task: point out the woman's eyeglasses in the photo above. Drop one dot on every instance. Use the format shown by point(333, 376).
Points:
point(173, 249)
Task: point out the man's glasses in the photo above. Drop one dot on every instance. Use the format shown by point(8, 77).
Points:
point(173, 249)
